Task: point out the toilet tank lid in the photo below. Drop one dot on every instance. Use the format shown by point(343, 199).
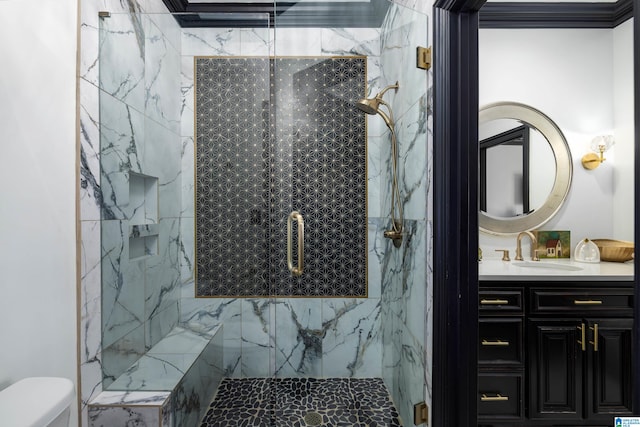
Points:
point(35, 401)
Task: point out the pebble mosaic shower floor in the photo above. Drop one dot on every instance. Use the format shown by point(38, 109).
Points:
point(301, 402)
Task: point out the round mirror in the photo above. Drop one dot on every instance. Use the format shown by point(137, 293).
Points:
point(525, 168)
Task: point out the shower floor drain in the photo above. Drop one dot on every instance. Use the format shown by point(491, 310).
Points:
point(313, 419)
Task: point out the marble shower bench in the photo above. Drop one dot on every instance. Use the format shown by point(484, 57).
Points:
point(169, 386)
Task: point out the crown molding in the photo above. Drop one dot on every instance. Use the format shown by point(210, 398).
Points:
point(555, 15)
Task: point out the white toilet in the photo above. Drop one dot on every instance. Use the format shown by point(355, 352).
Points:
point(37, 402)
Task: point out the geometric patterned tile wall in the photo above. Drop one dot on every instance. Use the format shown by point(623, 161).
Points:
point(272, 136)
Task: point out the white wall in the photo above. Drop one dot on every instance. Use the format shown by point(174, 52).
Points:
point(568, 75)
point(623, 182)
point(37, 189)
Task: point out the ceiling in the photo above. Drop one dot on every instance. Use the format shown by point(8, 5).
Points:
point(303, 13)
point(371, 13)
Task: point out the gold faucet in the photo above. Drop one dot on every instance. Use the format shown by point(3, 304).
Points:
point(534, 245)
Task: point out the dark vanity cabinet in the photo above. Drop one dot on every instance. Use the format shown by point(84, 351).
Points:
point(554, 354)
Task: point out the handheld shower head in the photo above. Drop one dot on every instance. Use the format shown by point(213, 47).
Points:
point(368, 105)
point(372, 105)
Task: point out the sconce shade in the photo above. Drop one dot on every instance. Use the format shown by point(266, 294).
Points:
point(599, 144)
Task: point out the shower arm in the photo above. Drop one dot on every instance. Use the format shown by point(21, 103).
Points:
point(383, 91)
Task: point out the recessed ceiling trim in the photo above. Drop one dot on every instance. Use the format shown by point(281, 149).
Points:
point(555, 15)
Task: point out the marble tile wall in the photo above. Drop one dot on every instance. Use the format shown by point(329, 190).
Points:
point(139, 141)
point(289, 337)
point(139, 103)
point(406, 284)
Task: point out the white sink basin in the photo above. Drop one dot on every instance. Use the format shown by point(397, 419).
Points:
point(546, 265)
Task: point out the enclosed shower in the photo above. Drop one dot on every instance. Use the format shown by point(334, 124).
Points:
point(263, 241)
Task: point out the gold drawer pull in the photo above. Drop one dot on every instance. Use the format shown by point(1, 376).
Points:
point(583, 342)
point(497, 398)
point(497, 343)
point(587, 302)
point(594, 328)
point(494, 301)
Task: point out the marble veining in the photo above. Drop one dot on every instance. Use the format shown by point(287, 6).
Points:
point(301, 326)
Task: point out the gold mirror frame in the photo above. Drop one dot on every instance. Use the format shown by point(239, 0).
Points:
point(564, 168)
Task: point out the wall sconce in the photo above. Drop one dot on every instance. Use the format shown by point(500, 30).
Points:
point(600, 144)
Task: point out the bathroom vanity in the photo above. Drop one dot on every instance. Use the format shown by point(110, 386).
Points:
point(555, 343)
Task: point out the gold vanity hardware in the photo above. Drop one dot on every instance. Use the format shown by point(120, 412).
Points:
point(494, 301)
point(587, 302)
point(534, 245)
point(505, 254)
point(423, 58)
point(583, 341)
point(497, 398)
point(496, 343)
point(594, 328)
point(295, 271)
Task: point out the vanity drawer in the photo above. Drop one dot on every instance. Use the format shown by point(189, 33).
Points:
point(500, 341)
point(500, 300)
point(500, 396)
point(616, 300)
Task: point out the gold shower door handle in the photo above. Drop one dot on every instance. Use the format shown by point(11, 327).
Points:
point(295, 271)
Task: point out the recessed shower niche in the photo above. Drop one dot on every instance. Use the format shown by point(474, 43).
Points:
point(275, 138)
point(143, 222)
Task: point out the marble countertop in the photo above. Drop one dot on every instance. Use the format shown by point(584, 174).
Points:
point(561, 269)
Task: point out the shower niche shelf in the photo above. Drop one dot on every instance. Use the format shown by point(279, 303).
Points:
point(143, 216)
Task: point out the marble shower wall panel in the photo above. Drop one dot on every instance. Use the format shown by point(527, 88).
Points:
point(162, 72)
point(90, 339)
point(126, 20)
point(412, 154)
point(208, 313)
point(256, 345)
point(121, 152)
point(139, 133)
point(123, 284)
point(351, 346)
point(121, 354)
point(122, 58)
point(90, 192)
point(298, 337)
point(403, 31)
point(407, 291)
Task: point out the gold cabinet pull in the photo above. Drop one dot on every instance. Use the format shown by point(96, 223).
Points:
point(497, 398)
point(494, 301)
point(582, 342)
point(594, 328)
point(587, 302)
point(295, 271)
point(496, 343)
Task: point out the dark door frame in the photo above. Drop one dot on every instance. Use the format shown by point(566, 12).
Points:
point(455, 235)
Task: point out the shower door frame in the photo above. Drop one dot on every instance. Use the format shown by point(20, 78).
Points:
point(456, 24)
